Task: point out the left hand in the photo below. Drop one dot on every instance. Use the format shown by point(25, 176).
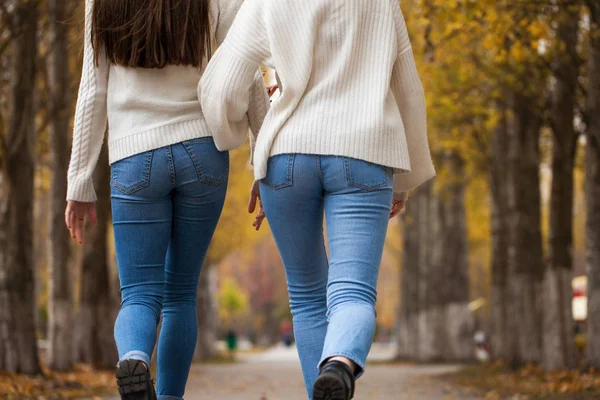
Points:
point(397, 207)
point(254, 200)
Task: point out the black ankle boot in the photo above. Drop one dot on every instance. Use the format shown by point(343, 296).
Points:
point(335, 382)
point(134, 381)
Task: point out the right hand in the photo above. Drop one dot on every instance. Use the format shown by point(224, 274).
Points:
point(75, 214)
point(254, 199)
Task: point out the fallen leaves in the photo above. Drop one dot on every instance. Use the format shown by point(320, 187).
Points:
point(499, 382)
point(81, 383)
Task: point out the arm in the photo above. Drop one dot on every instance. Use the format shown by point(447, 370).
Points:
point(90, 119)
point(258, 104)
point(232, 93)
point(410, 98)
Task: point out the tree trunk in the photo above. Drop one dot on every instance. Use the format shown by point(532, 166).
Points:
point(592, 189)
point(60, 356)
point(207, 315)
point(408, 334)
point(95, 320)
point(500, 298)
point(458, 321)
point(18, 350)
point(525, 244)
point(558, 340)
point(429, 313)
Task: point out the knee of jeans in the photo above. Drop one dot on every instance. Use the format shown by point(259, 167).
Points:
point(359, 310)
point(308, 306)
point(341, 295)
point(180, 295)
point(153, 303)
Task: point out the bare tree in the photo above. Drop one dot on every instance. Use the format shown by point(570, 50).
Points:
point(525, 239)
point(18, 349)
point(592, 188)
point(500, 237)
point(558, 340)
point(60, 356)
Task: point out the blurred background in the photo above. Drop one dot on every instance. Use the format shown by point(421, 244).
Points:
point(497, 261)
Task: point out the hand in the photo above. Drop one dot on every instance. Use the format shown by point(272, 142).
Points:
point(75, 218)
point(272, 89)
point(397, 207)
point(254, 199)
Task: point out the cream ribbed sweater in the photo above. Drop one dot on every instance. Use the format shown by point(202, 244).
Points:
point(350, 85)
point(145, 108)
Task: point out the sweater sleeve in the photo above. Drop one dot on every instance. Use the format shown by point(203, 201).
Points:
point(90, 119)
point(232, 91)
point(410, 97)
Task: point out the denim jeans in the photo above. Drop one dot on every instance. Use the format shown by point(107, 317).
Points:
point(166, 204)
point(332, 302)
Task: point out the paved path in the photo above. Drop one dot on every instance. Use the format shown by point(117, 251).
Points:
point(275, 375)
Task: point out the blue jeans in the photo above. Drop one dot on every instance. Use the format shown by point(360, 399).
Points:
point(165, 204)
point(332, 303)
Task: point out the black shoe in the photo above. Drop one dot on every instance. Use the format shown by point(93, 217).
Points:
point(134, 381)
point(335, 382)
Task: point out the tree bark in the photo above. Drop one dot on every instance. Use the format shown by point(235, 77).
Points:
point(207, 315)
point(95, 320)
point(525, 244)
point(60, 356)
point(408, 334)
point(18, 349)
point(500, 298)
point(558, 340)
point(592, 189)
point(458, 321)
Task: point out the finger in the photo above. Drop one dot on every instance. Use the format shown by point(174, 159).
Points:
point(72, 219)
point(67, 212)
point(252, 202)
point(259, 221)
point(92, 214)
point(79, 230)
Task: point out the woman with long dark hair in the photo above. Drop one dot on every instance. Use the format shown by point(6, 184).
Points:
point(347, 139)
point(142, 63)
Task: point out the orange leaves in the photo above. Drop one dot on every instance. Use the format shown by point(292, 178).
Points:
point(530, 382)
point(83, 383)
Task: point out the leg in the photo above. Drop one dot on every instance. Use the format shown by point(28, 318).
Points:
point(141, 207)
point(196, 210)
point(293, 199)
point(357, 209)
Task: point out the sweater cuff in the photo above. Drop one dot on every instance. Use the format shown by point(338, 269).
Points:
point(81, 191)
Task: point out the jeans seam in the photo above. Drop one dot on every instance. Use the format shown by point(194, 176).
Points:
point(319, 170)
point(198, 168)
point(171, 166)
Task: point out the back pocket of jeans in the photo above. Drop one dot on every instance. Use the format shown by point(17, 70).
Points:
point(212, 165)
point(133, 173)
point(280, 171)
point(367, 176)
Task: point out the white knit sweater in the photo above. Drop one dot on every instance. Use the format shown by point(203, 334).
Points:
point(146, 108)
point(350, 85)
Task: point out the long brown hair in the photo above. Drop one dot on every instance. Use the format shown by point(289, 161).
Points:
point(152, 33)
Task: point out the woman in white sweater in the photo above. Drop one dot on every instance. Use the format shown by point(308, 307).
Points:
point(347, 139)
point(142, 63)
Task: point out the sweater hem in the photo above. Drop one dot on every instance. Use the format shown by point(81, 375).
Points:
point(156, 138)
